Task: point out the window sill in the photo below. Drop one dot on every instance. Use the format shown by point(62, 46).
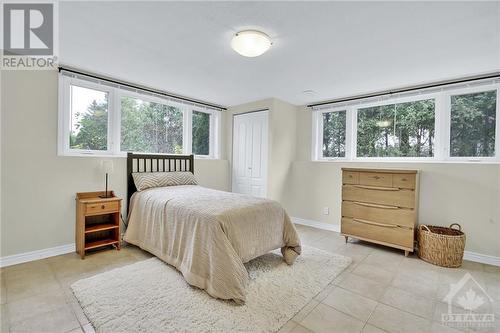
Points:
point(68, 154)
point(124, 155)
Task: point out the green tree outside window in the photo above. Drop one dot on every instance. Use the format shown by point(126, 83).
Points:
point(473, 120)
point(397, 130)
point(201, 133)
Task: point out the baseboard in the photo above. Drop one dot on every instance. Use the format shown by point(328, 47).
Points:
point(316, 224)
point(36, 255)
point(482, 258)
point(468, 255)
point(68, 248)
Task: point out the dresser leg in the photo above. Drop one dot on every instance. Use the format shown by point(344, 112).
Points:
point(346, 239)
point(406, 253)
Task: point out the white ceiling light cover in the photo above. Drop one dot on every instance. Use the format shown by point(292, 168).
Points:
point(251, 43)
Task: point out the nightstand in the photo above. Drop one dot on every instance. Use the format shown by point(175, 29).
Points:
point(97, 221)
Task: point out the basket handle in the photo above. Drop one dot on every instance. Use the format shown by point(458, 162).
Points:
point(458, 225)
point(423, 226)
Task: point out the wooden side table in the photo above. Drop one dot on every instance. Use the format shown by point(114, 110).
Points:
point(97, 221)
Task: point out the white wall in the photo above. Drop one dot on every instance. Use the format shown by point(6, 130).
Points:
point(38, 187)
point(283, 122)
point(465, 193)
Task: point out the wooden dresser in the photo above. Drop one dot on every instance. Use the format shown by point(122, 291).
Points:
point(380, 206)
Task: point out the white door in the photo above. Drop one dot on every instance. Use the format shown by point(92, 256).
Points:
point(249, 172)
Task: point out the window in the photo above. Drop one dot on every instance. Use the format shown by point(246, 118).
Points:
point(150, 127)
point(452, 124)
point(473, 121)
point(334, 128)
point(97, 119)
point(89, 119)
point(396, 130)
point(201, 133)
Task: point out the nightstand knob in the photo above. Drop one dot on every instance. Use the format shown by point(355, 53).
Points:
point(103, 206)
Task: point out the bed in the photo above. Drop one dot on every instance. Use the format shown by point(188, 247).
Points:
point(206, 234)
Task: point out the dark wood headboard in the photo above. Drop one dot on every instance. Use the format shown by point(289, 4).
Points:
point(155, 163)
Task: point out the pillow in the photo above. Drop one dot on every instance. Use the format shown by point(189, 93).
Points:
point(145, 180)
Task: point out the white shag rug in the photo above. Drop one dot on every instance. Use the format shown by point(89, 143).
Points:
point(151, 296)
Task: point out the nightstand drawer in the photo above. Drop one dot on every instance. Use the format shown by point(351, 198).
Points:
point(102, 207)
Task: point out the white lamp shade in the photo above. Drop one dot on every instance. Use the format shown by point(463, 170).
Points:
point(251, 43)
point(107, 166)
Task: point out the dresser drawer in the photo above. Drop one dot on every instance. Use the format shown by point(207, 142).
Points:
point(404, 180)
point(369, 230)
point(375, 179)
point(101, 208)
point(350, 177)
point(379, 213)
point(379, 195)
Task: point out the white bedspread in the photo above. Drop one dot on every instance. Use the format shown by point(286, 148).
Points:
point(208, 235)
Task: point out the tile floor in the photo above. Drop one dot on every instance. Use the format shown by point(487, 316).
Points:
point(381, 291)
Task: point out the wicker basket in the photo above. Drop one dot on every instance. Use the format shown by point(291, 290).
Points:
point(442, 246)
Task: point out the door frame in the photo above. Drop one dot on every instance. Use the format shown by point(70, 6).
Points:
point(266, 112)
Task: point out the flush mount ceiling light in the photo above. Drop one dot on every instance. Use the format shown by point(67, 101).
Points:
point(251, 43)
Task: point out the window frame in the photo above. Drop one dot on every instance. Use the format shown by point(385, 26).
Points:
point(65, 117)
point(447, 144)
point(442, 129)
point(149, 99)
point(115, 94)
point(214, 130)
point(398, 100)
point(318, 129)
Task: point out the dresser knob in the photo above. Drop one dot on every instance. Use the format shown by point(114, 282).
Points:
point(102, 207)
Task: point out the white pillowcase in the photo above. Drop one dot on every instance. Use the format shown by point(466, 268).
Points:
point(145, 180)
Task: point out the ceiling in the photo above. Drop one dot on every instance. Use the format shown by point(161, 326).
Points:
point(335, 49)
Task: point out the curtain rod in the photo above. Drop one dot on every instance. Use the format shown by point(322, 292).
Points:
point(247, 112)
point(410, 88)
point(138, 87)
